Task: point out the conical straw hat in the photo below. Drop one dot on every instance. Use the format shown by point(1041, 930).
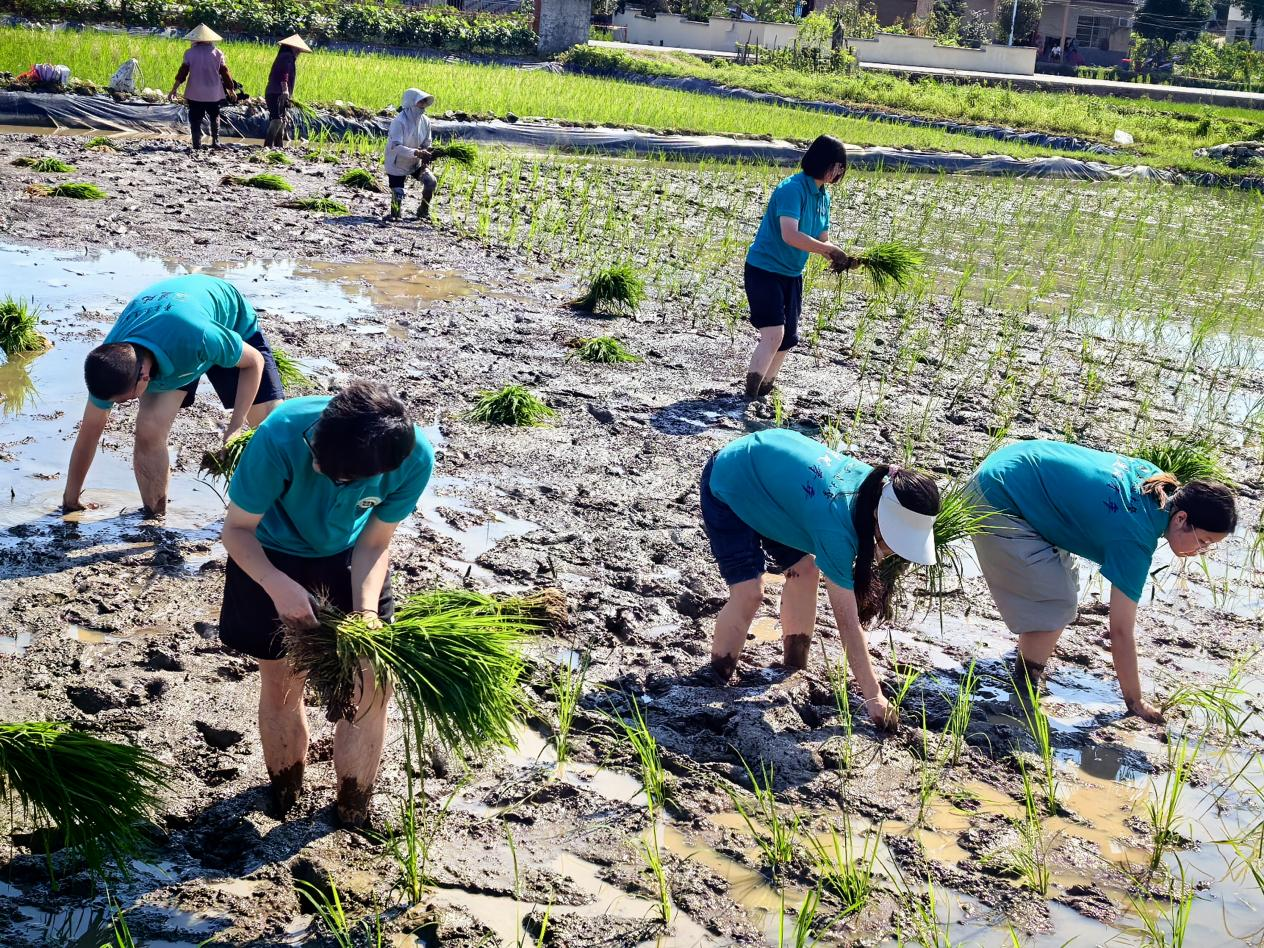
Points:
point(297, 42)
point(203, 34)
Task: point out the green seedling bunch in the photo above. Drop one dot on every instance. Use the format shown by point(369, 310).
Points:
point(846, 868)
point(513, 406)
point(775, 832)
point(568, 688)
point(18, 319)
point(361, 180)
point(77, 190)
point(322, 205)
point(1187, 458)
point(1163, 807)
point(264, 182)
point(100, 143)
point(603, 349)
point(620, 289)
point(221, 463)
point(1028, 694)
point(293, 378)
point(465, 153)
point(890, 265)
point(277, 158)
point(45, 165)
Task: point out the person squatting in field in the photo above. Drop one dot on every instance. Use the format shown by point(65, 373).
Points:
point(209, 82)
point(408, 153)
point(795, 224)
point(167, 338)
point(317, 496)
point(1048, 502)
point(778, 498)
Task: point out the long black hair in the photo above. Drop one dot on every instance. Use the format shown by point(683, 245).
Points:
point(824, 153)
point(1208, 505)
point(916, 492)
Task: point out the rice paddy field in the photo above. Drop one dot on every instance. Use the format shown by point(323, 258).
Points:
point(643, 805)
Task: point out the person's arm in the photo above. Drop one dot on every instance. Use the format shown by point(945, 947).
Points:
point(370, 560)
point(181, 75)
point(249, 375)
point(81, 455)
point(1123, 651)
point(791, 234)
point(856, 644)
point(293, 603)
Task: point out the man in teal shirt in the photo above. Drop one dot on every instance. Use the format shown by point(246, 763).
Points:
point(318, 494)
point(167, 338)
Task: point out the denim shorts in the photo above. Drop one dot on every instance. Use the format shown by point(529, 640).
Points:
point(740, 552)
point(224, 379)
point(775, 300)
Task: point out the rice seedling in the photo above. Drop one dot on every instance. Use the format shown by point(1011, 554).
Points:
point(1037, 721)
point(264, 182)
point(513, 406)
point(807, 933)
point(100, 142)
point(1165, 928)
point(654, 861)
point(321, 205)
point(619, 288)
point(923, 915)
point(1029, 859)
point(344, 932)
point(454, 658)
point(890, 265)
point(1187, 458)
point(645, 747)
point(292, 375)
point(845, 868)
point(837, 674)
point(277, 158)
point(220, 463)
point(45, 165)
point(1221, 704)
point(412, 839)
point(568, 688)
point(465, 153)
point(774, 833)
point(121, 935)
point(93, 792)
point(959, 718)
point(78, 190)
point(18, 319)
point(360, 179)
point(1163, 807)
point(602, 349)
point(905, 678)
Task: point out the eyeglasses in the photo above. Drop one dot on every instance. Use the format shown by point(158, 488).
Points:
point(338, 481)
point(1201, 539)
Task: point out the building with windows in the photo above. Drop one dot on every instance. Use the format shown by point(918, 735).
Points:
point(1099, 31)
point(1239, 28)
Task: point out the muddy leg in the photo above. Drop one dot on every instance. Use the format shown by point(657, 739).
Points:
point(150, 460)
point(732, 625)
point(798, 612)
point(766, 351)
point(282, 731)
point(770, 376)
point(358, 750)
point(428, 184)
point(1034, 651)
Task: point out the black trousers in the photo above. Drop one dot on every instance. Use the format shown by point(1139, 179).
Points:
point(198, 111)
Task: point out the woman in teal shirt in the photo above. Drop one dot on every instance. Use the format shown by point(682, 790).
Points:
point(1051, 501)
point(779, 496)
point(795, 224)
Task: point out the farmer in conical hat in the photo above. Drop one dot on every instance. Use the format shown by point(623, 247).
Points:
point(1051, 502)
point(315, 500)
point(279, 94)
point(795, 224)
point(780, 499)
point(209, 82)
point(408, 152)
point(167, 338)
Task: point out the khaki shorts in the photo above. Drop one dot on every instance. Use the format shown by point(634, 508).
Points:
point(1035, 585)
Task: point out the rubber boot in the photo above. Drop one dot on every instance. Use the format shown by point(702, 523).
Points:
point(397, 203)
point(196, 132)
point(753, 382)
point(215, 134)
point(273, 138)
point(423, 209)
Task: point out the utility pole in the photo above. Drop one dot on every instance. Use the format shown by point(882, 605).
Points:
point(1013, 19)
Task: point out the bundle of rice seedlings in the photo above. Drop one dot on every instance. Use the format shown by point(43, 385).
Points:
point(620, 287)
point(321, 205)
point(46, 165)
point(512, 405)
point(604, 349)
point(18, 319)
point(265, 182)
point(453, 657)
point(359, 178)
point(890, 265)
point(277, 158)
point(222, 462)
point(464, 153)
point(1187, 458)
point(71, 189)
point(292, 376)
point(94, 792)
point(100, 141)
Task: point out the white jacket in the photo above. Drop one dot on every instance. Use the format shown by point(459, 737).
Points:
point(409, 129)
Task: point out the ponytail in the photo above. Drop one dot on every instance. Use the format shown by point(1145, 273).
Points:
point(870, 590)
point(1162, 487)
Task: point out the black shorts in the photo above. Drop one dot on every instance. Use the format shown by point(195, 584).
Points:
point(248, 619)
point(740, 552)
point(224, 380)
point(775, 300)
point(422, 174)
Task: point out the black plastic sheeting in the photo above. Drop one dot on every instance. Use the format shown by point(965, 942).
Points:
point(995, 132)
point(104, 114)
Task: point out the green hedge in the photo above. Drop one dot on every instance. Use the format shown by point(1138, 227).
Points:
point(392, 25)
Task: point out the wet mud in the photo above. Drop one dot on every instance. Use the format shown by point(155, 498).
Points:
point(109, 619)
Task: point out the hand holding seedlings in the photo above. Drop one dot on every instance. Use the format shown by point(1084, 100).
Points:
point(841, 262)
point(884, 715)
point(293, 603)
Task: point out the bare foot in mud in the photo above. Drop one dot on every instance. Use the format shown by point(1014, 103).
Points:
point(287, 787)
point(794, 650)
point(352, 804)
point(723, 668)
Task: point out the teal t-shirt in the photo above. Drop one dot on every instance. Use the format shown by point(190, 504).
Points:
point(189, 323)
point(305, 512)
point(794, 490)
point(800, 197)
point(1083, 501)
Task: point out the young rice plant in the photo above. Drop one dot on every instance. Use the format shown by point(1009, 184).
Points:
point(292, 375)
point(100, 143)
point(264, 182)
point(78, 190)
point(18, 319)
point(45, 165)
point(465, 153)
point(221, 463)
point(360, 179)
point(1186, 458)
point(890, 265)
point(512, 406)
point(321, 205)
point(619, 288)
point(603, 349)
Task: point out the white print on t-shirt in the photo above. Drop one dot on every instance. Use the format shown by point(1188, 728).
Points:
point(367, 502)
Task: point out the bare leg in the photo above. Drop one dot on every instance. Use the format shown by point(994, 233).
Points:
point(259, 412)
point(732, 625)
point(358, 749)
point(282, 731)
point(150, 460)
point(798, 611)
point(774, 367)
point(762, 358)
point(1034, 651)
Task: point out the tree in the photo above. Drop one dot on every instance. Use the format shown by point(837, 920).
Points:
point(1026, 24)
point(1172, 21)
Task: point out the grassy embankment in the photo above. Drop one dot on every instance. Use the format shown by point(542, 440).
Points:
point(375, 81)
